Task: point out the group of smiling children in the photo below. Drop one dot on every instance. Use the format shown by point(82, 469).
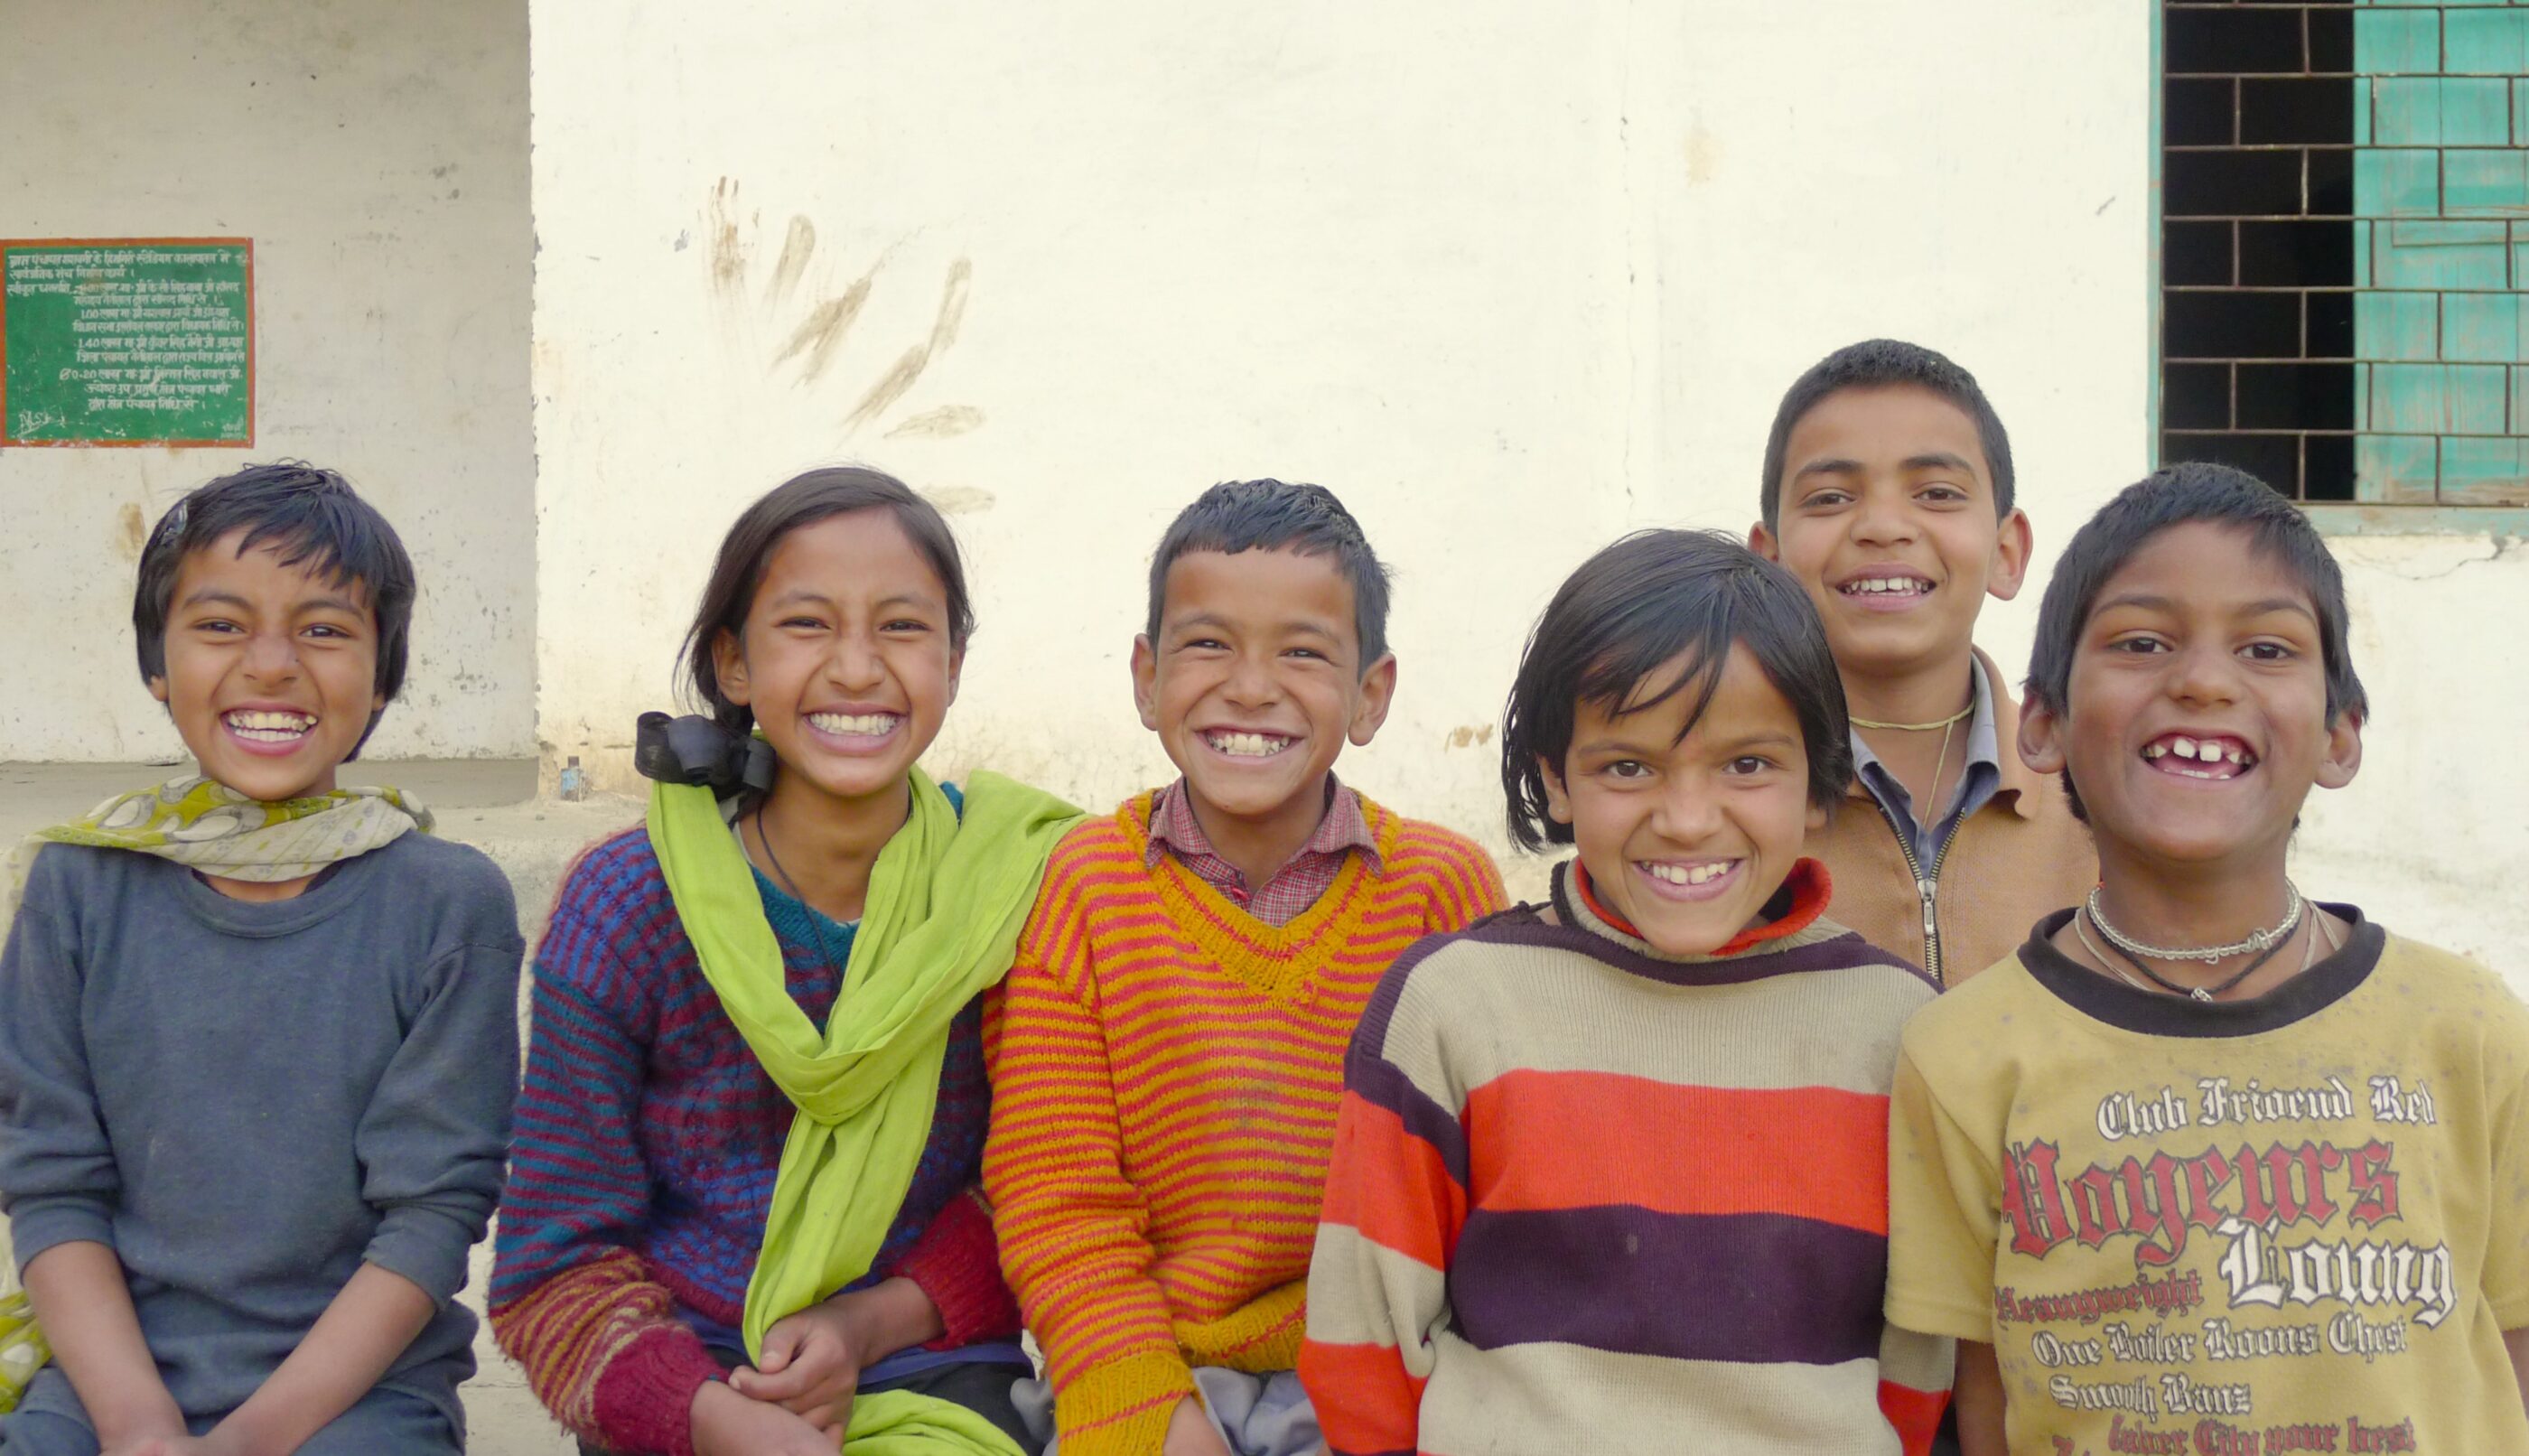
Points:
point(1249, 1100)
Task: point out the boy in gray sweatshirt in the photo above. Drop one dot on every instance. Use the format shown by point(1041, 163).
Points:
point(257, 1036)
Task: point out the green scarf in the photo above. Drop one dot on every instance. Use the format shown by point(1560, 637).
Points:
point(206, 824)
point(946, 900)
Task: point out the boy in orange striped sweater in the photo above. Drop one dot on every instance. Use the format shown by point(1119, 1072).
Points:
point(1168, 1053)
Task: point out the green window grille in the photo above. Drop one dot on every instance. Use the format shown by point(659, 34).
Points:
point(2440, 245)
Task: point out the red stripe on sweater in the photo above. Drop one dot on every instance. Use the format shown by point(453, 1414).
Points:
point(1412, 1206)
point(1809, 1151)
point(1917, 1414)
point(1382, 1405)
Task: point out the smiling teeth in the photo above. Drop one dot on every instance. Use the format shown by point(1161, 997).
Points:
point(2200, 750)
point(1248, 746)
point(262, 726)
point(853, 724)
point(1689, 873)
point(1877, 585)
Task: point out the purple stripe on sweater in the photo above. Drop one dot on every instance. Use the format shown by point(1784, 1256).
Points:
point(1752, 1288)
point(1382, 1084)
point(1844, 952)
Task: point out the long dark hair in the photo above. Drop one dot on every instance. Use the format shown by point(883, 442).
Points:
point(801, 501)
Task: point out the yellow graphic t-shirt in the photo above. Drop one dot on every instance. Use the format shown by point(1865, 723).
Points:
point(2294, 1223)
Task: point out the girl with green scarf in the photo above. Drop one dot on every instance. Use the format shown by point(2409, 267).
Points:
point(742, 1215)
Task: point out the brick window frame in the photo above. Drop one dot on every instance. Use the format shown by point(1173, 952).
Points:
point(2331, 173)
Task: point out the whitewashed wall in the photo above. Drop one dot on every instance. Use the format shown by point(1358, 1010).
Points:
point(376, 155)
point(1510, 278)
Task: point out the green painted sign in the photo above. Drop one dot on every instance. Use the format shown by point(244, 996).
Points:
point(126, 342)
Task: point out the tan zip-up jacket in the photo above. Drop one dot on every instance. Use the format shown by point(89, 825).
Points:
point(2016, 859)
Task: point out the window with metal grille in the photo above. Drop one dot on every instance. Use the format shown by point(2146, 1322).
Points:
point(2345, 234)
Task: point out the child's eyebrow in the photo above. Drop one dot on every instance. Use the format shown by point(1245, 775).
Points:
point(810, 596)
point(1834, 466)
point(1637, 747)
point(2150, 602)
point(1939, 460)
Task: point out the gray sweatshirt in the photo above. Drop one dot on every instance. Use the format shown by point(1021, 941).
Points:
point(247, 1101)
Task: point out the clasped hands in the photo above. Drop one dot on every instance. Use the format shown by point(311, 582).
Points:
point(797, 1400)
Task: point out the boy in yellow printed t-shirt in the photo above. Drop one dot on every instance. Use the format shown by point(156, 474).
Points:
point(2208, 1167)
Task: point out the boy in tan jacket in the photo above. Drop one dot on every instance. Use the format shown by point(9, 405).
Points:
point(1887, 493)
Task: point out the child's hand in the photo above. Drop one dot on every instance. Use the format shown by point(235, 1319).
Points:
point(727, 1424)
point(1190, 1432)
point(811, 1366)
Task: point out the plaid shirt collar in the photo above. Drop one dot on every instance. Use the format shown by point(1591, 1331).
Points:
point(1174, 829)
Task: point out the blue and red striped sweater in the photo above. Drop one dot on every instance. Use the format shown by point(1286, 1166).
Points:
point(647, 1140)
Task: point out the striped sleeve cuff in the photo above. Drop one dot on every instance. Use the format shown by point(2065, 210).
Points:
point(644, 1402)
point(1122, 1408)
point(957, 1266)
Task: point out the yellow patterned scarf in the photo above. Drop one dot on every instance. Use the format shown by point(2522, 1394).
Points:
point(207, 826)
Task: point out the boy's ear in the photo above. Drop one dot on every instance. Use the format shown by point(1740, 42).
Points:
point(728, 666)
point(2041, 737)
point(158, 687)
point(956, 671)
point(1558, 804)
point(1761, 541)
point(1377, 692)
point(1816, 819)
point(2011, 551)
point(1146, 680)
point(2343, 750)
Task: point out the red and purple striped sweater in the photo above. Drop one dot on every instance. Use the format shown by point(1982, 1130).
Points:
point(646, 1143)
point(1589, 1197)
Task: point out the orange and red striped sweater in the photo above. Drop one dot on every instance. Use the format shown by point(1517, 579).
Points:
point(1166, 1071)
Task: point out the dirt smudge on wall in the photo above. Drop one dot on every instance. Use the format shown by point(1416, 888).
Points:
point(133, 530)
point(1703, 153)
point(941, 424)
point(907, 370)
point(824, 329)
point(728, 246)
point(1469, 736)
point(796, 249)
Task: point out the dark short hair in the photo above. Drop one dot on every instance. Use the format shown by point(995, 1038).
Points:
point(1882, 364)
point(1639, 605)
point(2172, 497)
point(307, 516)
point(803, 501)
point(1238, 516)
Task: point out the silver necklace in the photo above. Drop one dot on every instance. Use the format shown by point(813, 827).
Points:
point(2262, 939)
point(2308, 955)
point(2100, 956)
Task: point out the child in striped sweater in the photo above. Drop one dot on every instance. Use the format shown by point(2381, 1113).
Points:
point(1610, 1172)
point(1167, 1051)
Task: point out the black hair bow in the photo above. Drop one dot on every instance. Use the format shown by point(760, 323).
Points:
point(693, 749)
